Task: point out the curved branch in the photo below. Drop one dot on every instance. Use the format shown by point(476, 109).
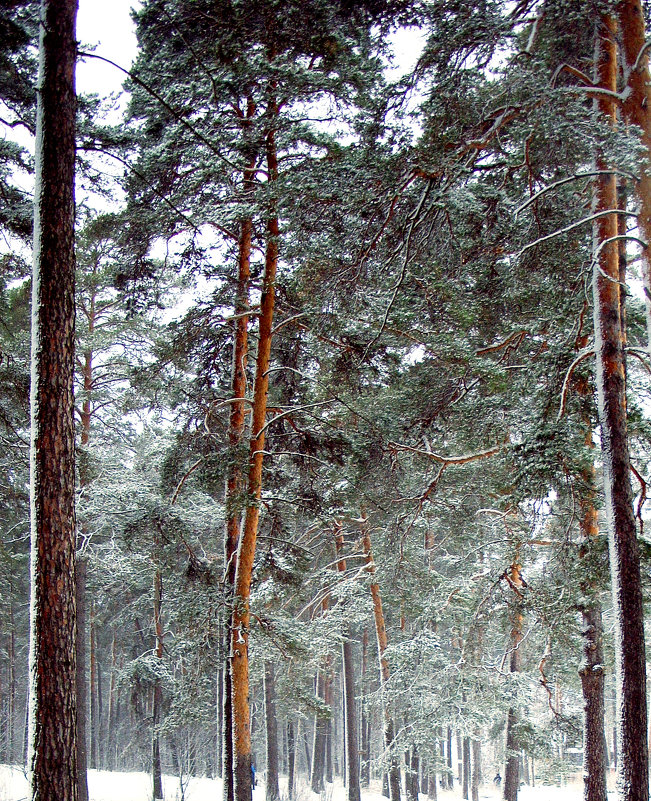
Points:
point(568, 375)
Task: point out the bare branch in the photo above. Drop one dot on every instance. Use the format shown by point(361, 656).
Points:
point(576, 177)
point(568, 375)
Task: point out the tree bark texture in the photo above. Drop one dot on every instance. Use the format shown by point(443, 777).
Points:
point(633, 781)
point(382, 644)
point(637, 78)
point(291, 758)
point(110, 755)
point(53, 752)
point(157, 700)
point(353, 792)
point(235, 481)
point(248, 537)
point(94, 694)
point(82, 684)
point(450, 774)
point(592, 683)
point(466, 766)
point(319, 741)
point(272, 792)
point(476, 769)
point(512, 768)
point(591, 670)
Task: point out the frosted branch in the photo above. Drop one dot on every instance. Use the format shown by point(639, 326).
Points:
point(572, 227)
point(576, 177)
point(584, 354)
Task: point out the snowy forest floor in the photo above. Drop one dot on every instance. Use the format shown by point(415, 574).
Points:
point(114, 786)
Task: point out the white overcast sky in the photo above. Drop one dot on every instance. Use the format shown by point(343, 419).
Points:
point(107, 25)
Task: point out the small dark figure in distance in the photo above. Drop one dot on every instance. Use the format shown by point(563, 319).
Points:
point(497, 780)
point(253, 777)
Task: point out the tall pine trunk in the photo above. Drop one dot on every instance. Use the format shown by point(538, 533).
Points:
point(353, 792)
point(248, 537)
point(476, 768)
point(235, 484)
point(466, 767)
point(52, 738)
point(633, 779)
point(382, 644)
point(512, 768)
point(291, 758)
point(272, 792)
point(319, 742)
point(157, 699)
point(637, 99)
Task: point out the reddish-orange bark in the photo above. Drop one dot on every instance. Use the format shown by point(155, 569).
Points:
point(235, 478)
point(637, 93)
point(611, 401)
point(248, 538)
point(53, 754)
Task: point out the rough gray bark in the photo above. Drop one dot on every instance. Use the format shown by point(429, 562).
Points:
point(466, 766)
point(53, 752)
point(476, 769)
point(291, 758)
point(272, 793)
point(319, 741)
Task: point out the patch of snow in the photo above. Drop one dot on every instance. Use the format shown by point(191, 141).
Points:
point(114, 786)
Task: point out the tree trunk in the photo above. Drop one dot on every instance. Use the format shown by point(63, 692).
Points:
point(306, 748)
point(414, 769)
point(53, 752)
point(611, 402)
point(235, 485)
point(94, 714)
point(512, 768)
point(82, 684)
point(476, 769)
point(99, 731)
point(353, 792)
point(466, 766)
point(450, 775)
point(291, 759)
point(319, 742)
point(112, 716)
point(459, 757)
point(272, 792)
point(591, 670)
point(12, 683)
point(247, 544)
point(157, 700)
point(382, 643)
point(635, 65)
point(592, 684)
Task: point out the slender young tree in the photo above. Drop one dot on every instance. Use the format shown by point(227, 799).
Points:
point(53, 755)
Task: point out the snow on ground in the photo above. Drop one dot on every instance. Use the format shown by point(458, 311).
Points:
point(107, 786)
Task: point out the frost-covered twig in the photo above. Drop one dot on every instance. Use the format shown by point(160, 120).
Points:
point(575, 177)
point(566, 229)
point(583, 354)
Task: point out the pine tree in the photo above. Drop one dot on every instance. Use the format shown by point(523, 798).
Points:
point(52, 644)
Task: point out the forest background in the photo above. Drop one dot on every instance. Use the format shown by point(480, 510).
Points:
point(337, 438)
